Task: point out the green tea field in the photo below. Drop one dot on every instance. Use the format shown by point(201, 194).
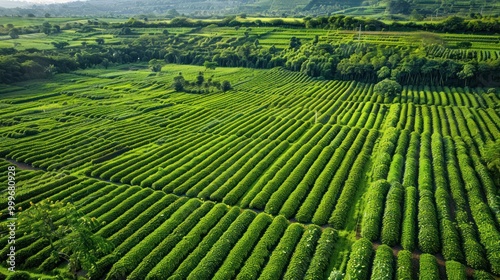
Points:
point(281, 177)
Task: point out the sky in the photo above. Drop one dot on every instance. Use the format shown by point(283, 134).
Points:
point(35, 1)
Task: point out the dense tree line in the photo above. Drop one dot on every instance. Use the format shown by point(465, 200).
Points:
point(323, 60)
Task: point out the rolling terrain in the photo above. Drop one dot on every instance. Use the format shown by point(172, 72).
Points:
point(275, 178)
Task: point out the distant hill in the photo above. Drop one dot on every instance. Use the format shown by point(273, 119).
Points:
point(206, 8)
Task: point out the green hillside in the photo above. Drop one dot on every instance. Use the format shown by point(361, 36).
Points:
point(206, 8)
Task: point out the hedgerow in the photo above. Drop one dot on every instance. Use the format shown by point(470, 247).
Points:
point(200, 222)
point(428, 231)
point(296, 198)
point(391, 223)
point(374, 209)
point(340, 214)
point(321, 258)
point(455, 270)
point(292, 181)
point(383, 263)
point(359, 265)
point(194, 258)
point(132, 257)
point(243, 248)
point(214, 258)
point(262, 251)
point(409, 231)
point(280, 257)
point(247, 179)
point(404, 266)
point(129, 215)
point(428, 267)
point(303, 253)
point(283, 174)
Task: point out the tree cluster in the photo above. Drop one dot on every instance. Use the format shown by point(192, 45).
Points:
point(200, 85)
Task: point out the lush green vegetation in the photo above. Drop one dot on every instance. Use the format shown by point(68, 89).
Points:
point(245, 172)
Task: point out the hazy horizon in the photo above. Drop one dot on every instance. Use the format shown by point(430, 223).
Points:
point(11, 3)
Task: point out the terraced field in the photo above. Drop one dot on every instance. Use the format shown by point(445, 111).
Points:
point(281, 177)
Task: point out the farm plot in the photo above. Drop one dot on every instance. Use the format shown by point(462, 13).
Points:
point(273, 179)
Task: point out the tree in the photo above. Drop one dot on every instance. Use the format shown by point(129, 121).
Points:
point(14, 33)
point(31, 15)
point(387, 88)
point(47, 15)
point(179, 83)
point(125, 31)
point(416, 16)
point(99, 41)
point(60, 45)
point(155, 65)
point(383, 72)
point(68, 232)
point(226, 85)
point(200, 79)
point(105, 63)
point(210, 65)
point(295, 43)
point(46, 27)
point(467, 72)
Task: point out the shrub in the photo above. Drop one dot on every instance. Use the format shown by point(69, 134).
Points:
point(404, 271)
point(19, 275)
point(185, 266)
point(214, 258)
point(201, 220)
point(383, 264)
point(455, 270)
point(282, 253)
point(321, 259)
point(132, 258)
point(303, 253)
point(428, 267)
point(262, 250)
point(359, 264)
point(374, 207)
point(242, 249)
point(391, 223)
point(408, 236)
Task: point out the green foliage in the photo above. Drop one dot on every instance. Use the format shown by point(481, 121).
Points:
point(491, 156)
point(60, 45)
point(210, 65)
point(280, 257)
point(383, 264)
point(262, 251)
point(215, 257)
point(404, 265)
point(321, 259)
point(455, 270)
point(73, 233)
point(392, 215)
point(359, 265)
point(374, 209)
point(226, 85)
point(243, 248)
point(428, 231)
point(428, 267)
point(409, 231)
point(303, 253)
point(19, 275)
point(387, 88)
